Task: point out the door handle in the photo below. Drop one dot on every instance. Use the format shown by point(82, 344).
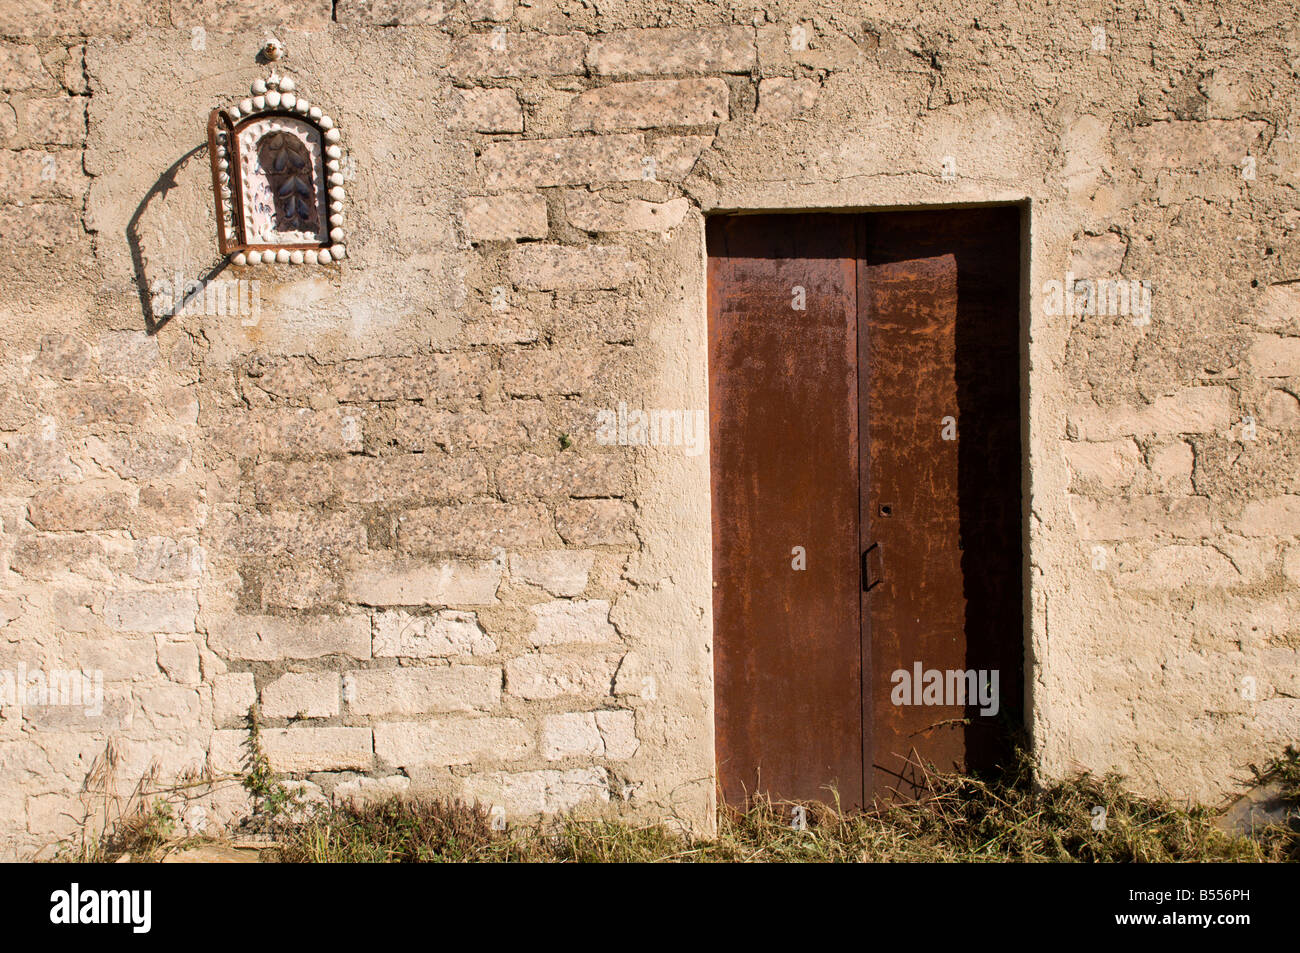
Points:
point(867, 582)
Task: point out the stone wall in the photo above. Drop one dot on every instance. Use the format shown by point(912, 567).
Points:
point(371, 496)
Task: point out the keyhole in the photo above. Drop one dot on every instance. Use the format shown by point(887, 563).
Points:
point(886, 509)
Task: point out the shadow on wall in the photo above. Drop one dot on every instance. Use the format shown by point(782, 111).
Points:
point(149, 281)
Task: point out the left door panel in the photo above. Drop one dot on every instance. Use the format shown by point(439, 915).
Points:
point(783, 397)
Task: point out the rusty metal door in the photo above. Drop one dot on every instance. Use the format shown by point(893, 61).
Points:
point(783, 381)
point(939, 295)
point(864, 391)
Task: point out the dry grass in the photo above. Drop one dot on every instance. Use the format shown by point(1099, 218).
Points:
point(959, 819)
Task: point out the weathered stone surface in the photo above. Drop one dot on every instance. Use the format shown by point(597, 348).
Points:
point(1281, 410)
point(270, 638)
point(1279, 516)
point(58, 122)
point(414, 691)
point(564, 268)
point(537, 792)
point(127, 354)
point(1202, 567)
point(418, 377)
point(596, 523)
point(650, 103)
point(82, 507)
point(287, 531)
point(233, 694)
point(21, 68)
point(1140, 517)
point(528, 476)
point(302, 695)
point(607, 733)
point(1191, 411)
point(500, 55)
point(391, 12)
point(43, 224)
point(781, 98)
point(675, 157)
point(36, 457)
point(480, 529)
point(180, 661)
point(486, 110)
point(506, 217)
point(363, 791)
point(546, 675)
point(1188, 144)
point(141, 457)
point(592, 213)
point(419, 582)
point(294, 432)
point(299, 749)
point(449, 741)
point(1107, 463)
point(540, 372)
point(560, 572)
point(40, 173)
point(423, 428)
point(84, 404)
point(1097, 256)
point(672, 50)
point(422, 476)
point(443, 634)
point(586, 160)
point(41, 556)
point(151, 610)
point(63, 355)
point(563, 621)
point(1274, 356)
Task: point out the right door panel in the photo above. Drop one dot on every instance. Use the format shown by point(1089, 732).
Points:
point(940, 446)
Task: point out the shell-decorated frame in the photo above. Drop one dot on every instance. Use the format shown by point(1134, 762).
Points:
point(277, 178)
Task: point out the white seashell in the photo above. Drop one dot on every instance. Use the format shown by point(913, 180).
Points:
point(254, 257)
point(246, 105)
point(331, 135)
point(325, 122)
point(233, 112)
point(301, 105)
point(273, 50)
point(323, 256)
point(336, 178)
point(335, 208)
point(259, 102)
point(259, 86)
point(332, 165)
point(273, 99)
point(273, 81)
point(311, 257)
point(336, 234)
point(336, 218)
point(287, 85)
point(315, 112)
point(333, 152)
point(338, 252)
point(282, 256)
point(336, 193)
point(295, 257)
point(288, 100)
point(240, 258)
